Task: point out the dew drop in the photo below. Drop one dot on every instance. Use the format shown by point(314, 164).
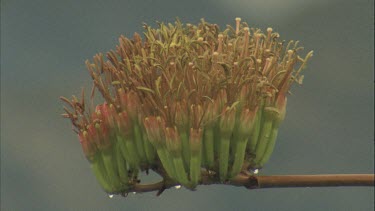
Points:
point(177, 187)
point(110, 196)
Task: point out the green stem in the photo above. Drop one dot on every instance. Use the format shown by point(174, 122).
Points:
point(209, 147)
point(128, 151)
point(99, 171)
point(216, 131)
point(149, 149)
point(271, 145)
point(139, 143)
point(195, 169)
point(166, 162)
point(255, 134)
point(263, 141)
point(239, 155)
point(180, 170)
point(185, 148)
point(121, 165)
point(111, 168)
point(224, 157)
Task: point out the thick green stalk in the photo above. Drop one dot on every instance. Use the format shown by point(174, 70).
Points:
point(234, 143)
point(180, 170)
point(185, 148)
point(196, 136)
point(271, 145)
point(216, 130)
point(227, 123)
point(239, 155)
point(195, 169)
point(139, 143)
point(224, 157)
point(127, 150)
point(99, 171)
point(132, 150)
point(166, 161)
point(253, 140)
point(208, 141)
point(110, 165)
point(121, 165)
point(149, 149)
point(263, 139)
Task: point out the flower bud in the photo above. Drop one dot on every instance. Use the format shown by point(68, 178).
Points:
point(154, 129)
point(220, 101)
point(133, 104)
point(88, 146)
point(227, 121)
point(172, 140)
point(195, 140)
point(181, 117)
point(124, 124)
point(104, 142)
point(247, 120)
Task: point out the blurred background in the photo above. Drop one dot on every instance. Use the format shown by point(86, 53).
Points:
point(329, 126)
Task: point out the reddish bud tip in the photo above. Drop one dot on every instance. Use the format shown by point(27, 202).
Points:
point(227, 121)
point(154, 129)
point(124, 124)
point(247, 121)
point(172, 140)
point(88, 147)
point(195, 139)
point(104, 141)
point(181, 117)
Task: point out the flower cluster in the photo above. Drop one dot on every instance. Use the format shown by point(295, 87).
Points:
point(186, 99)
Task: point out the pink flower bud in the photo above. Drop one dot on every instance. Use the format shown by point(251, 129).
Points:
point(195, 140)
point(88, 147)
point(227, 121)
point(104, 136)
point(247, 120)
point(172, 140)
point(181, 117)
point(124, 124)
point(154, 128)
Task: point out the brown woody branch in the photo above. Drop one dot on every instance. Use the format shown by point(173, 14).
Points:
point(282, 181)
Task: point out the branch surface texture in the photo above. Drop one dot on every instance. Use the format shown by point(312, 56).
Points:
point(274, 181)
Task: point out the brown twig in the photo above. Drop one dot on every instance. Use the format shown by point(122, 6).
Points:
point(279, 181)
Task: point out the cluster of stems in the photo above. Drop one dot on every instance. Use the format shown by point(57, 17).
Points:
point(183, 99)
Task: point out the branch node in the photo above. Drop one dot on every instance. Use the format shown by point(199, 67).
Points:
point(252, 183)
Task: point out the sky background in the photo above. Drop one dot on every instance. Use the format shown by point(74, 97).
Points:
point(329, 126)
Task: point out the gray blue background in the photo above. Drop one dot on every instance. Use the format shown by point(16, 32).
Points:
point(328, 129)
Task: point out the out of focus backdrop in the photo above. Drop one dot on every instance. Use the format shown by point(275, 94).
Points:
point(330, 119)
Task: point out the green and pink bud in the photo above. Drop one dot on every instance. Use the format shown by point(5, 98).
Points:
point(247, 121)
point(133, 105)
point(124, 124)
point(104, 135)
point(88, 146)
point(173, 141)
point(155, 130)
point(210, 115)
point(220, 101)
point(195, 140)
point(227, 121)
point(181, 116)
point(280, 104)
point(108, 115)
point(129, 101)
point(196, 113)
